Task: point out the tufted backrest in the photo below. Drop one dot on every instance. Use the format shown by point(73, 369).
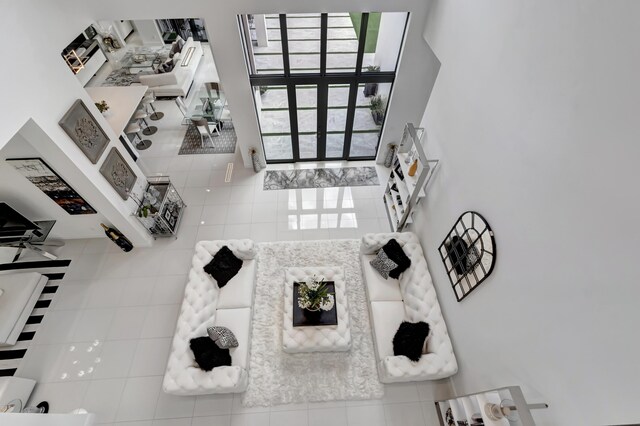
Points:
point(418, 293)
point(197, 313)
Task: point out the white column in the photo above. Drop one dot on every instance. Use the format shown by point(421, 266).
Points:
point(261, 30)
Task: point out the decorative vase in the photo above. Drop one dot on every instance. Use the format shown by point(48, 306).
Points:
point(312, 314)
point(255, 160)
point(414, 168)
point(388, 160)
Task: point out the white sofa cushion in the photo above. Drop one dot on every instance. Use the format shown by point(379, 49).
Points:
point(387, 317)
point(239, 322)
point(238, 292)
point(377, 287)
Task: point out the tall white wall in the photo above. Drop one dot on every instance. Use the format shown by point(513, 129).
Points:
point(535, 117)
point(389, 40)
point(148, 31)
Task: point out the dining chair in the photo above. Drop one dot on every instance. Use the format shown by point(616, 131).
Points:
point(184, 110)
point(205, 131)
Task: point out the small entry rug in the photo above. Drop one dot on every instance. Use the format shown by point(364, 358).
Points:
point(277, 377)
point(223, 144)
point(320, 178)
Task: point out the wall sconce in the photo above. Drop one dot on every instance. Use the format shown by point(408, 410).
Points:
point(73, 60)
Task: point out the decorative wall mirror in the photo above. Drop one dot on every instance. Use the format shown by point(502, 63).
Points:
point(468, 253)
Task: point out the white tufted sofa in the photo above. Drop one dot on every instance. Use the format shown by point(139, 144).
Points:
point(205, 305)
point(410, 298)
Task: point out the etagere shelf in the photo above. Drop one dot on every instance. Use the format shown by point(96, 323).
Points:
point(403, 191)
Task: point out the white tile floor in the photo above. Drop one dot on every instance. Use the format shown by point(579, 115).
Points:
point(104, 343)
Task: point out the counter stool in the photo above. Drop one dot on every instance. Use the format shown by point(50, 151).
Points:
point(141, 115)
point(134, 129)
point(148, 101)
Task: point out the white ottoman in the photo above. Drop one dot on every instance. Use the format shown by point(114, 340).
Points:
point(325, 338)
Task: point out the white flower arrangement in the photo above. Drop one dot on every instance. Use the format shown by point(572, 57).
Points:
point(314, 295)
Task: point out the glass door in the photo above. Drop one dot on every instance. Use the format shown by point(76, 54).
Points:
point(322, 81)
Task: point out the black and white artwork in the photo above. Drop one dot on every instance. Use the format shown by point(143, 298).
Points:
point(85, 131)
point(118, 173)
point(48, 181)
point(468, 253)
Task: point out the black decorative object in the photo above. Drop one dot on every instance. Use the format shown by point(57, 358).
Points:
point(468, 253)
point(397, 254)
point(409, 339)
point(207, 354)
point(304, 317)
point(224, 266)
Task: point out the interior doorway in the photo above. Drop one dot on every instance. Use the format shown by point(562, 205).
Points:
point(321, 82)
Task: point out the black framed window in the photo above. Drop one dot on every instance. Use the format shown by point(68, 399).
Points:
point(329, 75)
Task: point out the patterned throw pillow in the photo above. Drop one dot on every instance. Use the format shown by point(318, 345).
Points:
point(383, 264)
point(223, 337)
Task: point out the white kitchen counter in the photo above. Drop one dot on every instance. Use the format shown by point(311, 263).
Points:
point(122, 101)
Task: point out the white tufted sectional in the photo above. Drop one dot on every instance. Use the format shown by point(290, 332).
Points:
point(205, 305)
point(410, 298)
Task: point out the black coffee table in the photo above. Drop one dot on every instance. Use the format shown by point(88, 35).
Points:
point(302, 318)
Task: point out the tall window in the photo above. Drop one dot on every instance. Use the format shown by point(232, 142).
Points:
point(322, 81)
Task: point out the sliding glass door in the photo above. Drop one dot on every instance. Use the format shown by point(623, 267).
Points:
point(320, 87)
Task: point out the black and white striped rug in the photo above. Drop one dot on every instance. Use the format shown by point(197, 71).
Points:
point(10, 356)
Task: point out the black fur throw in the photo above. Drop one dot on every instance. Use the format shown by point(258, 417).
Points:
point(224, 266)
point(409, 339)
point(207, 354)
point(397, 254)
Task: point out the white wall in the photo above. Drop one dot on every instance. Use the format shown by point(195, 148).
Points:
point(148, 31)
point(535, 118)
point(389, 39)
point(34, 204)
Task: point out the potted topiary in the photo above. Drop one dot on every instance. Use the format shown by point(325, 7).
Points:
point(371, 89)
point(377, 106)
point(102, 107)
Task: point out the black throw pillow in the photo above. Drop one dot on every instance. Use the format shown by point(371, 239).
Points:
point(224, 266)
point(409, 339)
point(207, 354)
point(396, 254)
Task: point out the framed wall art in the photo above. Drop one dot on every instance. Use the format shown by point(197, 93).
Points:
point(46, 180)
point(85, 131)
point(468, 253)
point(118, 173)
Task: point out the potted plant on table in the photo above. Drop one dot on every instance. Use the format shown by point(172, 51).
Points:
point(378, 105)
point(371, 89)
point(314, 297)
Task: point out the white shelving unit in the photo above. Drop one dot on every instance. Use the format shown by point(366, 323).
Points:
point(464, 408)
point(404, 192)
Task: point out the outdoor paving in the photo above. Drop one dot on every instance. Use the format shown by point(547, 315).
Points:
point(304, 56)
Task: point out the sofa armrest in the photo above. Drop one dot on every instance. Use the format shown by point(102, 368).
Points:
point(191, 380)
point(371, 243)
point(164, 79)
point(429, 367)
point(243, 249)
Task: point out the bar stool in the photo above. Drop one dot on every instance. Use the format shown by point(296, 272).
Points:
point(148, 101)
point(141, 115)
point(134, 129)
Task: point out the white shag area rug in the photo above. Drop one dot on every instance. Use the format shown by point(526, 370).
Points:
point(276, 377)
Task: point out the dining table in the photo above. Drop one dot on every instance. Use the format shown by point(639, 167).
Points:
point(208, 102)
